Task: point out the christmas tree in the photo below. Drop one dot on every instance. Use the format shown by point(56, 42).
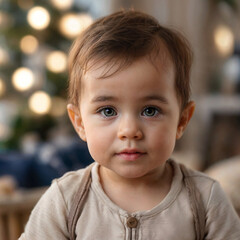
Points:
point(35, 37)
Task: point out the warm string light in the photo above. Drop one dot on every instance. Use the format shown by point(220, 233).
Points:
point(23, 79)
point(40, 103)
point(29, 44)
point(224, 40)
point(56, 61)
point(71, 24)
point(38, 18)
point(62, 4)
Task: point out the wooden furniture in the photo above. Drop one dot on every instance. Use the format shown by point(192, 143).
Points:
point(15, 211)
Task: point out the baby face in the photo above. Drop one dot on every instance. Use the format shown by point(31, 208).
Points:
point(130, 119)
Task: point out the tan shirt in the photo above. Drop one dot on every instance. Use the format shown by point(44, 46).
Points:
point(101, 219)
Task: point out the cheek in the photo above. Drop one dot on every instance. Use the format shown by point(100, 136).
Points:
point(164, 141)
point(94, 142)
point(98, 142)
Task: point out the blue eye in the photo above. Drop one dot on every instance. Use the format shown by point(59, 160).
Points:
point(150, 112)
point(108, 112)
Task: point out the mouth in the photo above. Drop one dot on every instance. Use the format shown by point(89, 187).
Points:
point(130, 154)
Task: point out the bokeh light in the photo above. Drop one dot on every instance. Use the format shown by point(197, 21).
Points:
point(38, 18)
point(71, 25)
point(29, 44)
point(40, 103)
point(2, 87)
point(62, 4)
point(224, 40)
point(56, 61)
point(23, 79)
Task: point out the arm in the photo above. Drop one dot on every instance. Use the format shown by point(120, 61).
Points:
point(222, 221)
point(48, 219)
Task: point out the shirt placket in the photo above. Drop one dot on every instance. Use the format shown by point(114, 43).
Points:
point(132, 224)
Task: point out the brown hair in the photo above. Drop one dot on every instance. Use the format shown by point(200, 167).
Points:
point(122, 38)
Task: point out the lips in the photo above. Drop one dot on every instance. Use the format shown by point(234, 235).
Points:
point(130, 154)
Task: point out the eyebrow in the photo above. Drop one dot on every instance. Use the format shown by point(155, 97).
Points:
point(102, 99)
point(156, 98)
point(147, 98)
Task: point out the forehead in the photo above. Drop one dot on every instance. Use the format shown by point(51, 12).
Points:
point(143, 75)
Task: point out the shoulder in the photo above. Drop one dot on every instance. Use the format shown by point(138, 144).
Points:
point(52, 210)
point(69, 184)
point(201, 181)
point(69, 177)
point(198, 177)
point(222, 221)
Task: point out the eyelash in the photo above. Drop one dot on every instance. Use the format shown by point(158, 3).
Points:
point(157, 111)
point(100, 111)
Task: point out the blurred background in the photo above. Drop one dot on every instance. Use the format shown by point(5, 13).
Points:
point(37, 142)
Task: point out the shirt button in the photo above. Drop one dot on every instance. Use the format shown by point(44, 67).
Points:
point(132, 222)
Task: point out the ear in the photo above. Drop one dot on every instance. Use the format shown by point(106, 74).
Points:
point(185, 117)
point(75, 117)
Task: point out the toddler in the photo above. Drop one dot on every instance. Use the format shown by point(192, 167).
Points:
point(129, 99)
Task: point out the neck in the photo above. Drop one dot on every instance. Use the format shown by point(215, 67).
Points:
point(137, 194)
point(157, 178)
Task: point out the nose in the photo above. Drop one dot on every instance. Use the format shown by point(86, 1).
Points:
point(129, 128)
